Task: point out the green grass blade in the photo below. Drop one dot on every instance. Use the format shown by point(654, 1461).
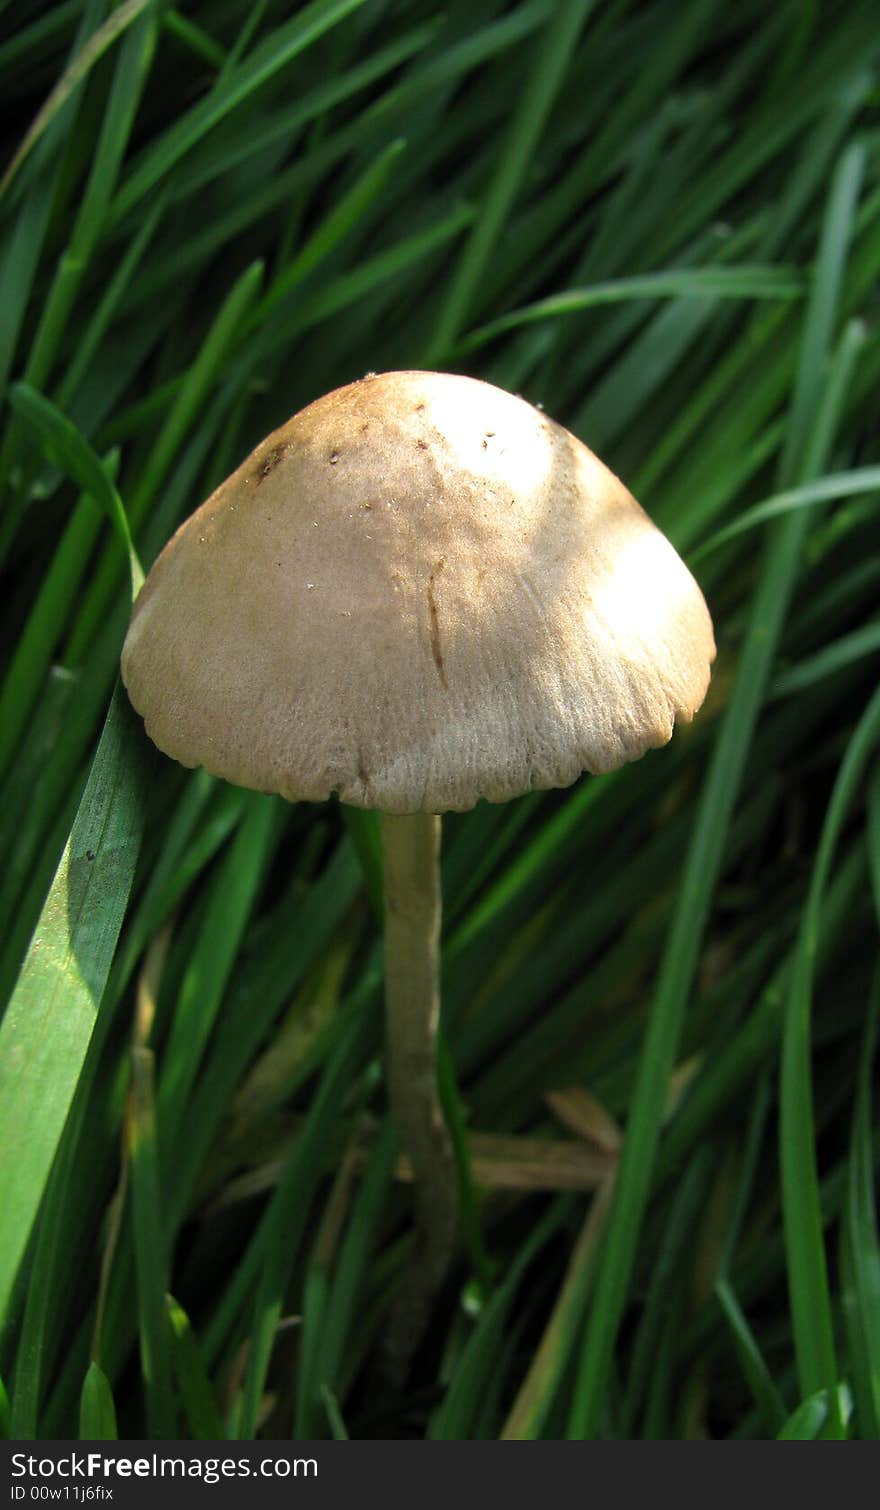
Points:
point(453, 1419)
point(808, 1422)
point(34, 1353)
point(196, 1392)
point(363, 281)
point(766, 1395)
point(807, 1270)
point(44, 31)
point(469, 1211)
point(50, 1018)
point(20, 257)
point(252, 1010)
point(335, 1418)
point(225, 330)
point(365, 833)
point(72, 78)
point(827, 662)
point(150, 1249)
point(187, 403)
point(324, 1349)
point(102, 318)
point(861, 1243)
point(131, 71)
point(274, 54)
point(211, 962)
point(539, 1390)
point(30, 661)
point(525, 130)
point(63, 445)
point(802, 459)
point(200, 42)
point(843, 485)
point(97, 1412)
point(645, 219)
point(687, 282)
point(344, 217)
point(288, 1215)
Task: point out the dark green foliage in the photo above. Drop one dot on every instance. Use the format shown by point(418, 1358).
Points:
point(663, 223)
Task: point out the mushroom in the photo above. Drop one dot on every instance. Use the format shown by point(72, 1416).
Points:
point(418, 592)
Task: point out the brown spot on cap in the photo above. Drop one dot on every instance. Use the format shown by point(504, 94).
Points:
point(269, 463)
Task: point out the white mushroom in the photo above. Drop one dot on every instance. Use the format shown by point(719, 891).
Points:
point(417, 593)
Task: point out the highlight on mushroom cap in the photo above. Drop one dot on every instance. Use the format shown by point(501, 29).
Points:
point(418, 592)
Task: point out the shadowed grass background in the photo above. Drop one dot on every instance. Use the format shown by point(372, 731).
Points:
point(661, 986)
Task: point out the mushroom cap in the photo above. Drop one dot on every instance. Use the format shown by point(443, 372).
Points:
point(418, 592)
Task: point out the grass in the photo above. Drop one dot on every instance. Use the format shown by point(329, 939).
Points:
point(664, 225)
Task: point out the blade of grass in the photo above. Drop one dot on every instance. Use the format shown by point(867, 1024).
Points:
point(346, 1288)
point(752, 1046)
point(97, 1412)
point(287, 1219)
point(678, 1235)
point(193, 36)
point(208, 970)
point(688, 282)
point(20, 258)
point(469, 1211)
point(452, 1420)
point(271, 56)
point(73, 76)
point(129, 79)
point(263, 133)
point(765, 1393)
point(252, 1006)
point(196, 1393)
point(89, 343)
point(31, 658)
point(49, 1256)
point(344, 217)
point(807, 1270)
point(45, 1032)
point(754, 1366)
point(808, 1422)
point(803, 457)
point(828, 661)
point(536, 1394)
point(366, 837)
point(334, 1417)
point(150, 1250)
point(362, 281)
point(187, 404)
point(39, 34)
point(840, 485)
point(861, 1244)
point(527, 124)
point(63, 445)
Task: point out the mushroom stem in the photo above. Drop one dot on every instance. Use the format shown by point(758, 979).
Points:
point(411, 857)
